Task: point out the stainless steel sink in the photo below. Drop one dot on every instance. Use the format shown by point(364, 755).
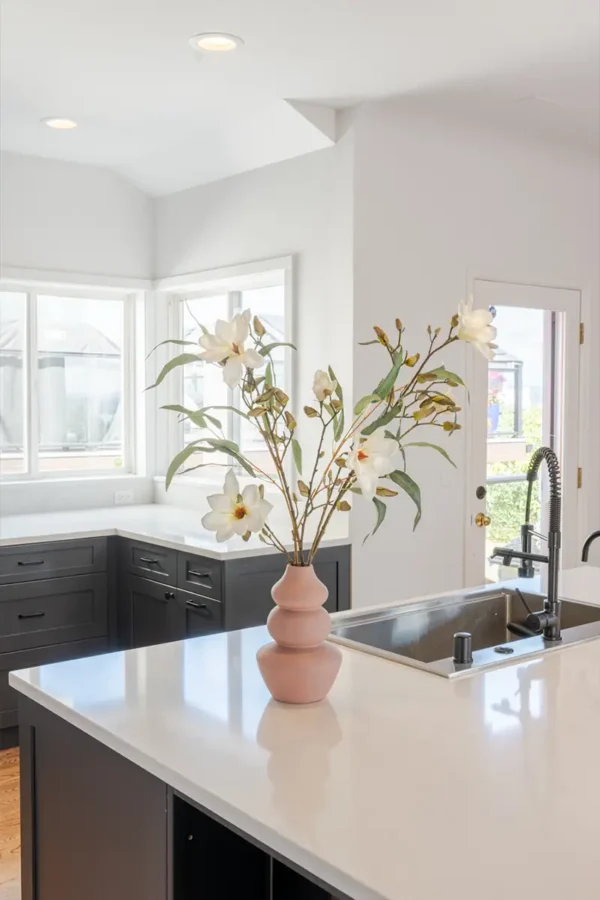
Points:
point(422, 634)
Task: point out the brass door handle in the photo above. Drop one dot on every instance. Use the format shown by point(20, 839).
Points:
point(482, 521)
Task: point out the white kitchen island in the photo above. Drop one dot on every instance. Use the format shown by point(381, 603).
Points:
point(401, 786)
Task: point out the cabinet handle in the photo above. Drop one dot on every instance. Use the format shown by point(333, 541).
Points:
point(150, 562)
point(31, 562)
point(31, 615)
point(199, 574)
point(169, 595)
point(195, 605)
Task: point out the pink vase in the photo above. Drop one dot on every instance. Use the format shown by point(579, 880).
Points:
point(299, 667)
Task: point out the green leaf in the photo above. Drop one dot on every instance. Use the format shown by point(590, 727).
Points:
point(197, 416)
point(442, 374)
point(183, 359)
point(381, 513)
point(411, 488)
point(433, 447)
point(231, 449)
point(383, 419)
point(178, 460)
point(234, 409)
point(269, 375)
point(338, 425)
point(171, 341)
point(297, 453)
point(387, 383)
point(368, 343)
point(381, 510)
point(268, 348)
point(364, 402)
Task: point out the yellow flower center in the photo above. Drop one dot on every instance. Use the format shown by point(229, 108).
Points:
point(240, 512)
point(362, 455)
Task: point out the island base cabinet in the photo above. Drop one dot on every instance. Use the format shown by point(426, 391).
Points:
point(95, 826)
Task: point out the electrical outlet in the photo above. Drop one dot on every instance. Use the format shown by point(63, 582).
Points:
point(121, 498)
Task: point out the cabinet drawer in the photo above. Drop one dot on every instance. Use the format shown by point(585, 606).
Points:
point(52, 612)
point(31, 562)
point(200, 576)
point(149, 561)
point(202, 615)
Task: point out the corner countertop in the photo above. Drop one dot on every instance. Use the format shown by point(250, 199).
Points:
point(401, 786)
point(167, 526)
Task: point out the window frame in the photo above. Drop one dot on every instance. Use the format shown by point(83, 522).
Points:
point(231, 281)
point(31, 373)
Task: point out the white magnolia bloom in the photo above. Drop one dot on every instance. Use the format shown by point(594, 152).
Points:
point(475, 326)
point(323, 386)
point(234, 513)
point(371, 458)
point(227, 345)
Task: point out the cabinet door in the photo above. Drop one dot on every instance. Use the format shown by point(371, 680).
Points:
point(202, 615)
point(156, 616)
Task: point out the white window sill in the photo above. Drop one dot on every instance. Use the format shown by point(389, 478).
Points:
point(65, 478)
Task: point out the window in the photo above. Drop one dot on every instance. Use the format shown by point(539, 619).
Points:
point(202, 385)
point(64, 397)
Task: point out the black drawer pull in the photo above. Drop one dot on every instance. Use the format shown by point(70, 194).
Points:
point(170, 595)
point(195, 605)
point(31, 562)
point(148, 561)
point(199, 574)
point(31, 615)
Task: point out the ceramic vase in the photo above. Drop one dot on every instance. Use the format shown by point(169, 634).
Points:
point(299, 666)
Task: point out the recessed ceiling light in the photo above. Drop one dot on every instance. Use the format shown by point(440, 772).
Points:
point(215, 42)
point(59, 123)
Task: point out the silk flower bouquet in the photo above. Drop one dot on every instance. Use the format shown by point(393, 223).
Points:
point(365, 454)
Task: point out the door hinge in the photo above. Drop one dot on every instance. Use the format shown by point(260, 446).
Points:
point(581, 333)
point(579, 477)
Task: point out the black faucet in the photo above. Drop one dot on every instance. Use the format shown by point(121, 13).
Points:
point(586, 547)
point(548, 620)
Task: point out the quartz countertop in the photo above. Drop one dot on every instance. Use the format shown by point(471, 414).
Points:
point(401, 786)
point(167, 526)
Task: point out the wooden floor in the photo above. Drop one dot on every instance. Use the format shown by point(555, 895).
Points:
point(9, 826)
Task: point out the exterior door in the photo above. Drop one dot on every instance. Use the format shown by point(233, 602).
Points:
point(527, 397)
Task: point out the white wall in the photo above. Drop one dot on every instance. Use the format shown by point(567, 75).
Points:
point(70, 218)
point(435, 201)
point(75, 221)
point(301, 207)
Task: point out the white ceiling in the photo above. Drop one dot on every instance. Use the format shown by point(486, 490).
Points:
point(168, 118)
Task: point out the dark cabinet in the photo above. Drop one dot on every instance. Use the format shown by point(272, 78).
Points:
point(62, 599)
point(58, 559)
point(149, 561)
point(155, 614)
point(159, 614)
point(101, 828)
point(96, 826)
point(38, 613)
point(248, 584)
point(54, 606)
point(202, 615)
